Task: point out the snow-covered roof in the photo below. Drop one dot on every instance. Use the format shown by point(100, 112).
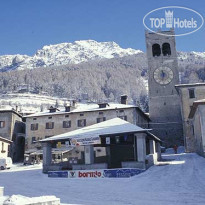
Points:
point(5, 107)
point(194, 107)
point(109, 127)
point(9, 109)
point(83, 108)
point(189, 85)
point(5, 140)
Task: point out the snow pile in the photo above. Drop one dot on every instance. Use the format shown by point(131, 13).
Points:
point(17, 167)
point(180, 182)
point(22, 200)
point(180, 150)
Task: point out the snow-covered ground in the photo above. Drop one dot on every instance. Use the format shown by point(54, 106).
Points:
point(28, 102)
point(179, 179)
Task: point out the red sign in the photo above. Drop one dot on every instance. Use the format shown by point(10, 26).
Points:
point(87, 174)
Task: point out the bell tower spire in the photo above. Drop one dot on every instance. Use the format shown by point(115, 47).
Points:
point(164, 103)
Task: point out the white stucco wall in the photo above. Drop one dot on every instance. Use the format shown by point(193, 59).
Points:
point(3, 149)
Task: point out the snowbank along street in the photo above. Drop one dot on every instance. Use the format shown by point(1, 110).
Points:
point(179, 179)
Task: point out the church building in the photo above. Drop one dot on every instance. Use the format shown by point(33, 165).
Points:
point(164, 102)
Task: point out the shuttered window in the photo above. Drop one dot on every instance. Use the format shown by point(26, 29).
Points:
point(34, 126)
point(66, 124)
point(82, 123)
point(49, 125)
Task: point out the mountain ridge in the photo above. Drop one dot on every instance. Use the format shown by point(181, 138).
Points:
point(79, 52)
point(65, 53)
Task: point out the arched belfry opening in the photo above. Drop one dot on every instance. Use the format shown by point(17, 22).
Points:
point(156, 50)
point(166, 50)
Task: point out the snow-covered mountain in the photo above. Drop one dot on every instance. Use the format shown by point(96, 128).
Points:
point(85, 51)
point(196, 58)
point(65, 53)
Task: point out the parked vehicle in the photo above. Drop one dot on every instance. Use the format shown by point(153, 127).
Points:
point(5, 163)
point(32, 159)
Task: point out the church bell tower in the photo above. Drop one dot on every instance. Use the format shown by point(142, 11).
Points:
point(164, 102)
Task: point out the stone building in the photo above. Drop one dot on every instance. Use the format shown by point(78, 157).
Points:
point(54, 122)
point(8, 119)
point(197, 126)
point(188, 94)
point(4, 147)
point(12, 128)
point(164, 102)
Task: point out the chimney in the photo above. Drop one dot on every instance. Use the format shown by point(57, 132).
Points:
point(124, 99)
point(67, 108)
point(103, 105)
point(74, 103)
point(52, 109)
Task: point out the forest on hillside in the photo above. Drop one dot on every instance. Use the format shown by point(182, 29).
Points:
point(102, 80)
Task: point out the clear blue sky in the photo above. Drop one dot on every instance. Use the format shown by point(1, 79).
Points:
point(27, 25)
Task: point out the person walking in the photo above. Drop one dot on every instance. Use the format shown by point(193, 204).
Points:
point(175, 149)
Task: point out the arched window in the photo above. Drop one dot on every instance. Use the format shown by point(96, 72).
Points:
point(156, 51)
point(166, 50)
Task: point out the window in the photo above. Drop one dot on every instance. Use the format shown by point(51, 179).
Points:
point(66, 115)
point(34, 118)
point(33, 140)
point(82, 123)
point(66, 124)
point(50, 117)
point(191, 93)
point(34, 126)
point(121, 110)
point(100, 113)
point(81, 114)
point(101, 119)
point(166, 50)
point(123, 117)
point(2, 124)
point(49, 125)
point(193, 130)
point(156, 50)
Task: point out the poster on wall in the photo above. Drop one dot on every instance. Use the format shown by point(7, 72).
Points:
point(107, 140)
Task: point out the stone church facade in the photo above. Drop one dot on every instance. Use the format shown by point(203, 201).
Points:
point(164, 102)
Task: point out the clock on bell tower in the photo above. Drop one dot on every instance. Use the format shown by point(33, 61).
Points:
point(164, 103)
